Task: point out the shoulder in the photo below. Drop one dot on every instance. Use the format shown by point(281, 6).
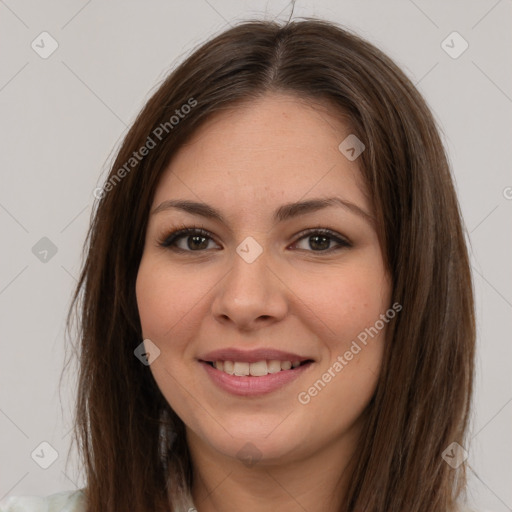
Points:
point(66, 501)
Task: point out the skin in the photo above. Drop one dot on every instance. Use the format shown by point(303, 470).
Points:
point(246, 162)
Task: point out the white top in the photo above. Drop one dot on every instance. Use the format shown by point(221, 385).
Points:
point(73, 501)
point(66, 501)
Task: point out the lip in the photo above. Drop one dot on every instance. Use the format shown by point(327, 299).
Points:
point(251, 356)
point(253, 386)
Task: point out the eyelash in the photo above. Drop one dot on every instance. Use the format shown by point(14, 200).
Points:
point(170, 238)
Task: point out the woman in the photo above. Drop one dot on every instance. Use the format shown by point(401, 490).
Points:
point(276, 305)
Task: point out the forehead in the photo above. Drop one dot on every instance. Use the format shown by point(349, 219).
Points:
point(277, 148)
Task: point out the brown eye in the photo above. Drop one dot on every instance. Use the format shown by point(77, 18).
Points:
point(319, 240)
point(196, 240)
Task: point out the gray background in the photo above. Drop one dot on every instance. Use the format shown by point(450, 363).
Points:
point(62, 117)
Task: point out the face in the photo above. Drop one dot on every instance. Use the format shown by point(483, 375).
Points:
point(265, 282)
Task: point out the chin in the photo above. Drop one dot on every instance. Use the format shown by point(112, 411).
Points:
point(251, 445)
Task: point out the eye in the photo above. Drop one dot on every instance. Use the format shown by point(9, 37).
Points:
point(320, 240)
point(195, 239)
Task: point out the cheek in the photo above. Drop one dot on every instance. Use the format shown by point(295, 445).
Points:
point(347, 306)
point(344, 383)
point(167, 303)
point(156, 302)
point(162, 299)
point(151, 296)
point(345, 301)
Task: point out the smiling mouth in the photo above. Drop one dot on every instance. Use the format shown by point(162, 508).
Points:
point(256, 369)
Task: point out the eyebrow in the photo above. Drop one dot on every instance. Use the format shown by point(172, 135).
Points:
point(283, 213)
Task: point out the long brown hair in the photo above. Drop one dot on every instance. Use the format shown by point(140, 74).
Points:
point(132, 444)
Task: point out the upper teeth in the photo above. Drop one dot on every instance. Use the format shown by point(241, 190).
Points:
point(258, 369)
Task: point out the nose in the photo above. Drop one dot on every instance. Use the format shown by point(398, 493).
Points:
point(251, 295)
